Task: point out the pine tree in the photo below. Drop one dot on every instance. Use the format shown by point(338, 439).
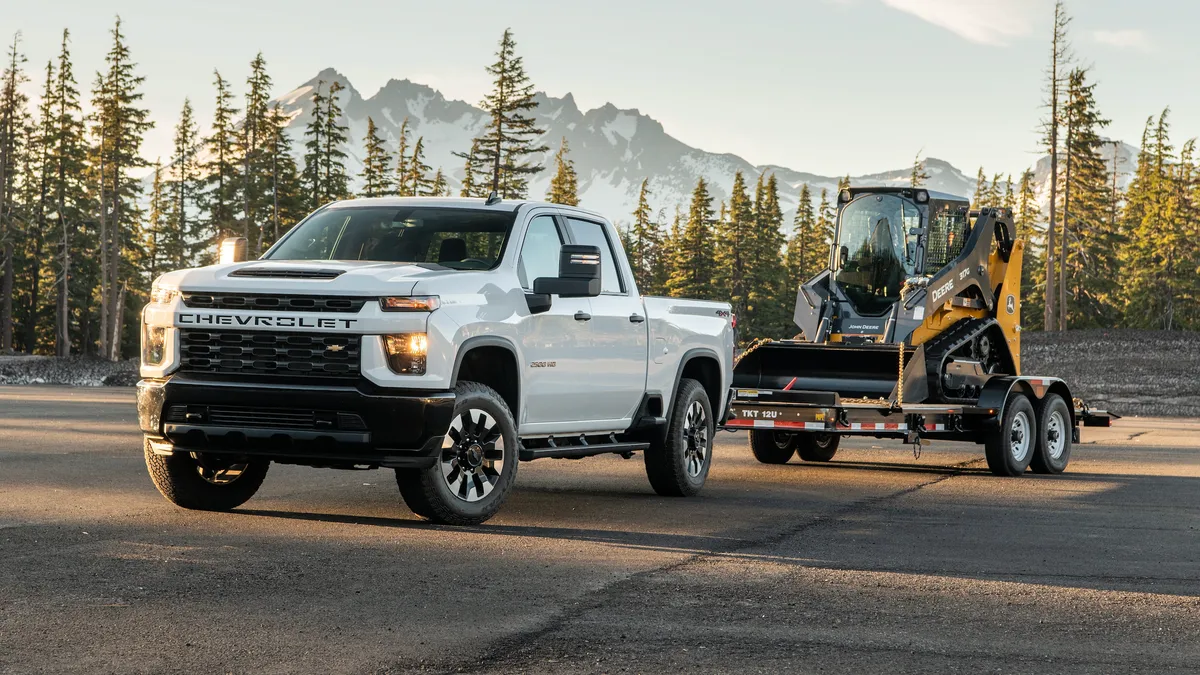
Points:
point(470, 188)
point(439, 187)
point(510, 141)
point(1060, 56)
point(35, 206)
point(286, 191)
point(376, 165)
point(1026, 217)
point(692, 265)
point(982, 190)
point(159, 228)
point(255, 154)
point(402, 161)
point(416, 181)
point(178, 231)
point(67, 190)
point(733, 238)
point(314, 133)
point(333, 155)
point(918, 176)
point(643, 245)
point(13, 123)
point(220, 191)
point(118, 130)
point(805, 256)
point(565, 184)
point(765, 275)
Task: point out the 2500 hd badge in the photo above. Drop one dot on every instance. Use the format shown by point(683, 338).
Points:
point(189, 319)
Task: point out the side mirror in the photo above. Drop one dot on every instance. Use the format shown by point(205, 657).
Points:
point(578, 273)
point(537, 302)
point(233, 250)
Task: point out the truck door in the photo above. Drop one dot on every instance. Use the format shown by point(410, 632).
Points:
point(556, 343)
point(617, 378)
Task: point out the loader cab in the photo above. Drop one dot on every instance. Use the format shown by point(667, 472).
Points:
point(884, 237)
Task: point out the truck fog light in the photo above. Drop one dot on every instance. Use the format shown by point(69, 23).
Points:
point(154, 339)
point(406, 352)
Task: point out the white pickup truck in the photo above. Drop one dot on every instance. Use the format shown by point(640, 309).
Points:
point(447, 339)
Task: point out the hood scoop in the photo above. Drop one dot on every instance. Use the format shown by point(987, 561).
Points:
point(287, 273)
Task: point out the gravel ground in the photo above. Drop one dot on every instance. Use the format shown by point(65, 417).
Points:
point(1131, 372)
point(78, 371)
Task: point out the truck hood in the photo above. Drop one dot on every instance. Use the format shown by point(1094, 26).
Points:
point(305, 277)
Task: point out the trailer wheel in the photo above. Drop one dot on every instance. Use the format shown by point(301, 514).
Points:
point(678, 467)
point(817, 447)
point(1009, 448)
point(772, 447)
point(1053, 449)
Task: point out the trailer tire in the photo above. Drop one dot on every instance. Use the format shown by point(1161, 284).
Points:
point(194, 481)
point(678, 465)
point(772, 447)
point(817, 446)
point(1009, 447)
point(1053, 449)
point(464, 487)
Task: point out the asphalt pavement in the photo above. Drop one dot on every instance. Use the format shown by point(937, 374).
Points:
point(875, 562)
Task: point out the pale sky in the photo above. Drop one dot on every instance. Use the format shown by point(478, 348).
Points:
point(827, 86)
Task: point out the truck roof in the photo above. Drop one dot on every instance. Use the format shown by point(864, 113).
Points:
point(504, 205)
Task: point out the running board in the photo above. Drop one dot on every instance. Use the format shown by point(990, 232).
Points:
point(580, 451)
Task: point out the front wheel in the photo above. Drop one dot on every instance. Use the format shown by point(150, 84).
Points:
point(817, 446)
point(476, 467)
point(772, 447)
point(204, 482)
point(1009, 447)
point(678, 466)
point(1053, 449)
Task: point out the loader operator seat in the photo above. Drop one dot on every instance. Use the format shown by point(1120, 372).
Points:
point(885, 273)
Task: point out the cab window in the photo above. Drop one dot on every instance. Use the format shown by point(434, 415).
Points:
point(540, 252)
point(593, 234)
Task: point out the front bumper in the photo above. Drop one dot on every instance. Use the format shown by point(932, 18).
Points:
point(339, 426)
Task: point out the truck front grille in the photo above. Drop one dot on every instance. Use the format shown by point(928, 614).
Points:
point(264, 301)
point(255, 353)
point(264, 418)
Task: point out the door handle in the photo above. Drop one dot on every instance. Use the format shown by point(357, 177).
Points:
point(582, 316)
point(636, 318)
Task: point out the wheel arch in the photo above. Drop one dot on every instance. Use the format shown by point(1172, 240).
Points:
point(703, 365)
point(491, 360)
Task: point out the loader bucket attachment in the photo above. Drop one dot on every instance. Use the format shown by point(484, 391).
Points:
point(852, 371)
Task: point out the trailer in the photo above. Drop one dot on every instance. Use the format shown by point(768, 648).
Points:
point(913, 332)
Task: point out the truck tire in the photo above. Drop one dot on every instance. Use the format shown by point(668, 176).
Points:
point(204, 482)
point(772, 447)
point(816, 446)
point(477, 466)
point(1009, 448)
point(678, 466)
point(1053, 449)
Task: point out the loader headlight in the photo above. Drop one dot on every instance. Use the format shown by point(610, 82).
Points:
point(406, 352)
point(154, 340)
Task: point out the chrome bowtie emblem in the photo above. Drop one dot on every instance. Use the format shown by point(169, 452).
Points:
point(335, 348)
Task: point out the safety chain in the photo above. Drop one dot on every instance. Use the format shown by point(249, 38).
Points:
point(755, 344)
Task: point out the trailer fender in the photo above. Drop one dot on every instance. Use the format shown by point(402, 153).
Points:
point(996, 392)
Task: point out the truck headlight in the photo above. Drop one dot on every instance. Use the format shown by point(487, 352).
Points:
point(410, 303)
point(154, 339)
point(160, 295)
point(406, 352)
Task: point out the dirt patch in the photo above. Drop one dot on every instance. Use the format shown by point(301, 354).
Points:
point(1131, 372)
point(78, 371)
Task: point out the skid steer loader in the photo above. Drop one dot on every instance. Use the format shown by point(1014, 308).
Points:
point(913, 331)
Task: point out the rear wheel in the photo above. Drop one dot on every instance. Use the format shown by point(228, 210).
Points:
point(205, 482)
point(817, 447)
point(1053, 448)
point(1009, 448)
point(678, 466)
point(477, 465)
point(772, 447)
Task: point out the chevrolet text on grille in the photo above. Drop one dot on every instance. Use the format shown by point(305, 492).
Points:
point(186, 319)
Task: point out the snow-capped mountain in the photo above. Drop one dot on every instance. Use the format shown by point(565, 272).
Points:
point(613, 149)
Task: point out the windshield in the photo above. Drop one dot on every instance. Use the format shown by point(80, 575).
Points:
point(947, 234)
point(873, 253)
point(461, 239)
